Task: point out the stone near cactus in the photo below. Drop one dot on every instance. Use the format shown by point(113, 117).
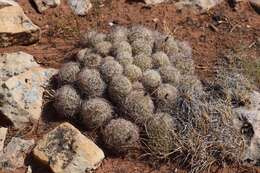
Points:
point(15, 27)
point(14, 154)
point(21, 96)
point(80, 7)
point(66, 150)
point(43, 5)
point(3, 132)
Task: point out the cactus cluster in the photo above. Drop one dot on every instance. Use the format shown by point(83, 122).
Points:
point(131, 80)
point(128, 73)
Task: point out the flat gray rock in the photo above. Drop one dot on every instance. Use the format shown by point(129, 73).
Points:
point(198, 4)
point(8, 3)
point(43, 5)
point(15, 153)
point(22, 83)
point(13, 64)
point(80, 7)
point(22, 95)
point(3, 132)
point(248, 122)
point(152, 2)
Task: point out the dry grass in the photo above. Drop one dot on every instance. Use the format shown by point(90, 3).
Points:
point(203, 135)
point(237, 61)
point(208, 137)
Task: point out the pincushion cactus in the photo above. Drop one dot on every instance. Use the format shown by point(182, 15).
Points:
point(139, 46)
point(67, 101)
point(160, 131)
point(139, 32)
point(132, 72)
point(165, 97)
point(124, 58)
point(122, 46)
point(148, 78)
point(139, 106)
point(143, 61)
point(103, 47)
point(160, 59)
point(93, 38)
point(184, 65)
point(170, 75)
point(120, 135)
point(119, 87)
point(151, 79)
point(91, 83)
point(68, 73)
point(95, 112)
point(110, 68)
point(169, 46)
point(118, 34)
point(81, 54)
point(91, 60)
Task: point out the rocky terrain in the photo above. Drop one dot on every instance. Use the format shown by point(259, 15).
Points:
point(129, 86)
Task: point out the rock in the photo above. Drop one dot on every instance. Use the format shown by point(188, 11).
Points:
point(12, 64)
point(43, 5)
point(4, 3)
point(80, 7)
point(202, 4)
point(3, 132)
point(15, 27)
point(258, 42)
point(256, 5)
point(207, 4)
point(152, 2)
point(15, 153)
point(247, 120)
point(21, 95)
point(29, 169)
point(66, 150)
point(21, 81)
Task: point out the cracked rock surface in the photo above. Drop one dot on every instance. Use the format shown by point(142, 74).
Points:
point(22, 87)
point(15, 27)
point(66, 150)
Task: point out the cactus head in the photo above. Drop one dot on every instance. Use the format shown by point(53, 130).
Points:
point(143, 61)
point(170, 75)
point(118, 34)
point(139, 106)
point(151, 79)
point(160, 135)
point(91, 83)
point(67, 101)
point(123, 46)
point(165, 97)
point(110, 68)
point(68, 73)
point(140, 46)
point(95, 113)
point(103, 48)
point(120, 135)
point(119, 87)
point(139, 32)
point(160, 59)
point(132, 72)
point(124, 58)
point(91, 60)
